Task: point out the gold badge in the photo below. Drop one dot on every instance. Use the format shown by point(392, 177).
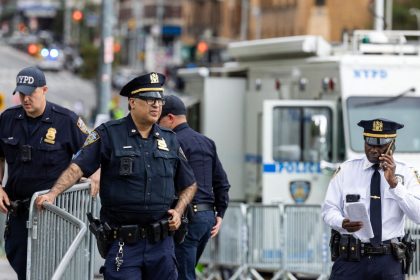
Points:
point(162, 145)
point(50, 136)
point(377, 126)
point(154, 78)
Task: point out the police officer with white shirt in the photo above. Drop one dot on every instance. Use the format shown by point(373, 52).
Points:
point(390, 191)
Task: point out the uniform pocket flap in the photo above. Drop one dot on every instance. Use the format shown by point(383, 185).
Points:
point(10, 141)
point(164, 154)
point(127, 153)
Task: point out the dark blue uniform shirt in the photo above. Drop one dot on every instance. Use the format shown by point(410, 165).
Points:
point(139, 177)
point(212, 182)
point(49, 141)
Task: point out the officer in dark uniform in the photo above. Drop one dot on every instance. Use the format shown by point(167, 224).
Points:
point(143, 168)
point(38, 140)
point(213, 186)
point(389, 191)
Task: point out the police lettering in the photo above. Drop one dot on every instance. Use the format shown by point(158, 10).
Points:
point(25, 80)
point(299, 167)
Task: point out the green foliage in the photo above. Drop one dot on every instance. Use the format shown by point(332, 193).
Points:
point(90, 55)
point(401, 18)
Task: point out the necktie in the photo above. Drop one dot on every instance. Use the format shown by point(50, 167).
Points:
point(375, 206)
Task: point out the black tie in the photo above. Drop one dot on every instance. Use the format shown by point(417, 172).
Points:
point(375, 206)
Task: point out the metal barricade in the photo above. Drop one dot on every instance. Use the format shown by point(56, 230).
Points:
point(58, 241)
point(306, 240)
point(228, 249)
point(265, 239)
point(414, 229)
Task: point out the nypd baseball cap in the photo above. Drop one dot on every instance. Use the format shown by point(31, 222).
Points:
point(173, 105)
point(28, 79)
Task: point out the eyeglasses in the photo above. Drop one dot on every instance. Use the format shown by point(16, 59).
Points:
point(152, 101)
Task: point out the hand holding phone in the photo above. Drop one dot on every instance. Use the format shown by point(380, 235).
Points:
point(389, 151)
point(388, 165)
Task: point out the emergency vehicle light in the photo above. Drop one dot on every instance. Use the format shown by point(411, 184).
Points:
point(328, 84)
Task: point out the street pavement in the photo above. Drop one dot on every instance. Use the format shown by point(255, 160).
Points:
point(6, 271)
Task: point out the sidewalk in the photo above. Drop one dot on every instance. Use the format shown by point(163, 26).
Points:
point(6, 271)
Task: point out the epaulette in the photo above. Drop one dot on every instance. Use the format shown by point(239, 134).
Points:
point(58, 109)
point(14, 108)
point(166, 129)
point(113, 122)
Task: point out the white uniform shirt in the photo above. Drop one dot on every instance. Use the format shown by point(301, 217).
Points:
point(354, 177)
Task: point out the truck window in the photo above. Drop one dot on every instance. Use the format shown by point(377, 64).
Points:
point(403, 109)
point(302, 134)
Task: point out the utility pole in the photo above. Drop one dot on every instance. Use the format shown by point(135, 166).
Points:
point(388, 15)
point(244, 19)
point(379, 15)
point(67, 22)
point(106, 57)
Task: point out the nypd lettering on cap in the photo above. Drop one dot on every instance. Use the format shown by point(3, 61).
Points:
point(27, 80)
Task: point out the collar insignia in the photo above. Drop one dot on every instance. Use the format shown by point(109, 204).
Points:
point(50, 136)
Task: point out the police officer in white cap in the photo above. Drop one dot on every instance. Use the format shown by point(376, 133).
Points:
point(389, 191)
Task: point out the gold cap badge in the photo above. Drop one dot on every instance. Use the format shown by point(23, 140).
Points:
point(377, 126)
point(154, 78)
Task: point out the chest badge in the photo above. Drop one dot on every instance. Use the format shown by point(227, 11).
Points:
point(162, 145)
point(50, 136)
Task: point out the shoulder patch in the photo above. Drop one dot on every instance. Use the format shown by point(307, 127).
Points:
point(92, 138)
point(181, 154)
point(166, 129)
point(82, 126)
point(416, 173)
point(336, 171)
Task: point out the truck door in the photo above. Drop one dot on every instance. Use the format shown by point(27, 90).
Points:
point(297, 136)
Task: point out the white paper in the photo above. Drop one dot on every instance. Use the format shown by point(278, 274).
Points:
point(356, 211)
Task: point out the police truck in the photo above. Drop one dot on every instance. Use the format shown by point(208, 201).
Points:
point(284, 114)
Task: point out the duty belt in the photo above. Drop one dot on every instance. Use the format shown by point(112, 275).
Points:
point(369, 249)
point(154, 232)
point(203, 207)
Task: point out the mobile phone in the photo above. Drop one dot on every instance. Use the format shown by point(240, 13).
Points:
point(391, 148)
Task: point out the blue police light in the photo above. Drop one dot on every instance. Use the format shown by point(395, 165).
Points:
point(45, 52)
point(54, 53)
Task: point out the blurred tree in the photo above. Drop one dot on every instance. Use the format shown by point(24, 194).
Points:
point(90, 54)
point(401, 18)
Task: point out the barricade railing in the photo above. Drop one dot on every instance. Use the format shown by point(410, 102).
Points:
point(414, 229)
point(228, 250)
point(264, 239)
point(306, 240)
point(58, 241)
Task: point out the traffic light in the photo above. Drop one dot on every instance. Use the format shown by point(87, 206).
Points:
point(77, 15)
point(202, 47)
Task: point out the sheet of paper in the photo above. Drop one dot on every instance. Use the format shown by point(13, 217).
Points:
point(357, 212)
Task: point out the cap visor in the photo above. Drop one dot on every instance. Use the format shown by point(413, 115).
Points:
point(26, 90)
point(372, 141)
point(151, 94)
